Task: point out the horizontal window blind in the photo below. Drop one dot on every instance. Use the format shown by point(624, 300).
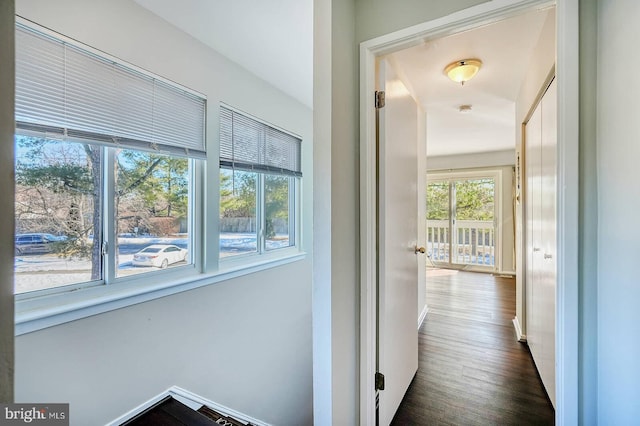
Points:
point(63, 90)
point(248, 144)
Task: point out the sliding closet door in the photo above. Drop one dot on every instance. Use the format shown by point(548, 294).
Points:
point(548, 274)
point(541, 217)
point(533, 165)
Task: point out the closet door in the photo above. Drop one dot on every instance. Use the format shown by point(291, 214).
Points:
point(533, 165)
point(541, 173)
point(548, 274)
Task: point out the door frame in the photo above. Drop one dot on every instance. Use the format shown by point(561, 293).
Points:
point(567, 71)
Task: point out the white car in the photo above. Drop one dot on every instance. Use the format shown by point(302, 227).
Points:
point(159, 255)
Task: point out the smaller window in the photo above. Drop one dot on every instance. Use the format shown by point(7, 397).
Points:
point(259, 175)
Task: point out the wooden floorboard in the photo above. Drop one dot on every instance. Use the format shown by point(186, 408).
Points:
point(472, 371)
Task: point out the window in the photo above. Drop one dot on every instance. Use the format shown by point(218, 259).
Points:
point(106, 159)
point(110, 195)
point(259, 176)
point(461, 212)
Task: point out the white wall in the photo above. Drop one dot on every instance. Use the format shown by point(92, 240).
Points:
point(618, 154)
point(345, 213)
point(467, 162)
point(588, 217)
point(541, 64)
point(369, 18)
point(379, 17)
point(6, 193)
point(322, 313)
point(244, 343)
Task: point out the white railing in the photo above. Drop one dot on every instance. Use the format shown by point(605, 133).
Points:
point(473, 242)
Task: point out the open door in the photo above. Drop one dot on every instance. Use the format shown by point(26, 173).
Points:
point(398, 262)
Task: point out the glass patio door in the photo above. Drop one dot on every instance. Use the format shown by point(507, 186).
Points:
point(461, 221)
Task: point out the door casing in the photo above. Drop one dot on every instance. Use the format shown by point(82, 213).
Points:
point(567, 71)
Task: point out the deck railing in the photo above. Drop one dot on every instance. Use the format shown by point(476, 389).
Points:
point(473, 242)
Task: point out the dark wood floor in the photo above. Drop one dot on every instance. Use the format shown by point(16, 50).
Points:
point(472, 371)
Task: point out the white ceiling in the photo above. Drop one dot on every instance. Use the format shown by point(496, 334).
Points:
point(505, 49)
point(272, 39)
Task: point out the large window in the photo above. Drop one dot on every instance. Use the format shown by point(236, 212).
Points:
point(105, 167)
point(461, 213)
point(259, 174)
point(110, 164)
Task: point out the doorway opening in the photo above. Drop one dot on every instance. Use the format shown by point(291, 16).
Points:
point(567, 73)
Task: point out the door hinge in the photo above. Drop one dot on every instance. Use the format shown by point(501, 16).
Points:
point(379, 381)
point(379, 99)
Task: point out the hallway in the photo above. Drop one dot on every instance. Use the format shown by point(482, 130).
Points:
point(472, 371)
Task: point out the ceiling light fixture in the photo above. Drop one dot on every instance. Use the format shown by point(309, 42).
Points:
point(463, 70)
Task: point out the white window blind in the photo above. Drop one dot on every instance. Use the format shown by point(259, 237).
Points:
point(71, 92)
point(248, 144)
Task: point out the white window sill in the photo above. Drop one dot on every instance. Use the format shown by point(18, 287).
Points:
point(37, 313)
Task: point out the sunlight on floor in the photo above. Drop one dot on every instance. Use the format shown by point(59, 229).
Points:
point(437, 272)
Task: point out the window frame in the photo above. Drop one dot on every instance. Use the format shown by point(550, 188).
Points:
point(262, 253)
point(495, 173)
point(110, 234)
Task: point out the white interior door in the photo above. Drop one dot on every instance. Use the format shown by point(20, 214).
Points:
point(398, 231)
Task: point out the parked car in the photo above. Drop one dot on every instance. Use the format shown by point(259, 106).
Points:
point(159, 255)
point(36, 243)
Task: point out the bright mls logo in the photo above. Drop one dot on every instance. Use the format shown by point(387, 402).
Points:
point(35, 414)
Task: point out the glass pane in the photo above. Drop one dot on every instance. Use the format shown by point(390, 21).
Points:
point(57, 213)
point(152, 205)
point(474, 199)
point(238, 228)
point(474, 227)
point(438, 209)
point(277, 203)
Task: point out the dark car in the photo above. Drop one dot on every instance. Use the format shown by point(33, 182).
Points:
point(36, 243)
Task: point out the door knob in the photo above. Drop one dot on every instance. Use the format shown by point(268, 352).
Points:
point(420, 250)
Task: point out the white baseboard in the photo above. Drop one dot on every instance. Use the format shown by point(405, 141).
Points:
point(191, 400)
point(179, 392)
point(516, 324)
point(423, 316)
